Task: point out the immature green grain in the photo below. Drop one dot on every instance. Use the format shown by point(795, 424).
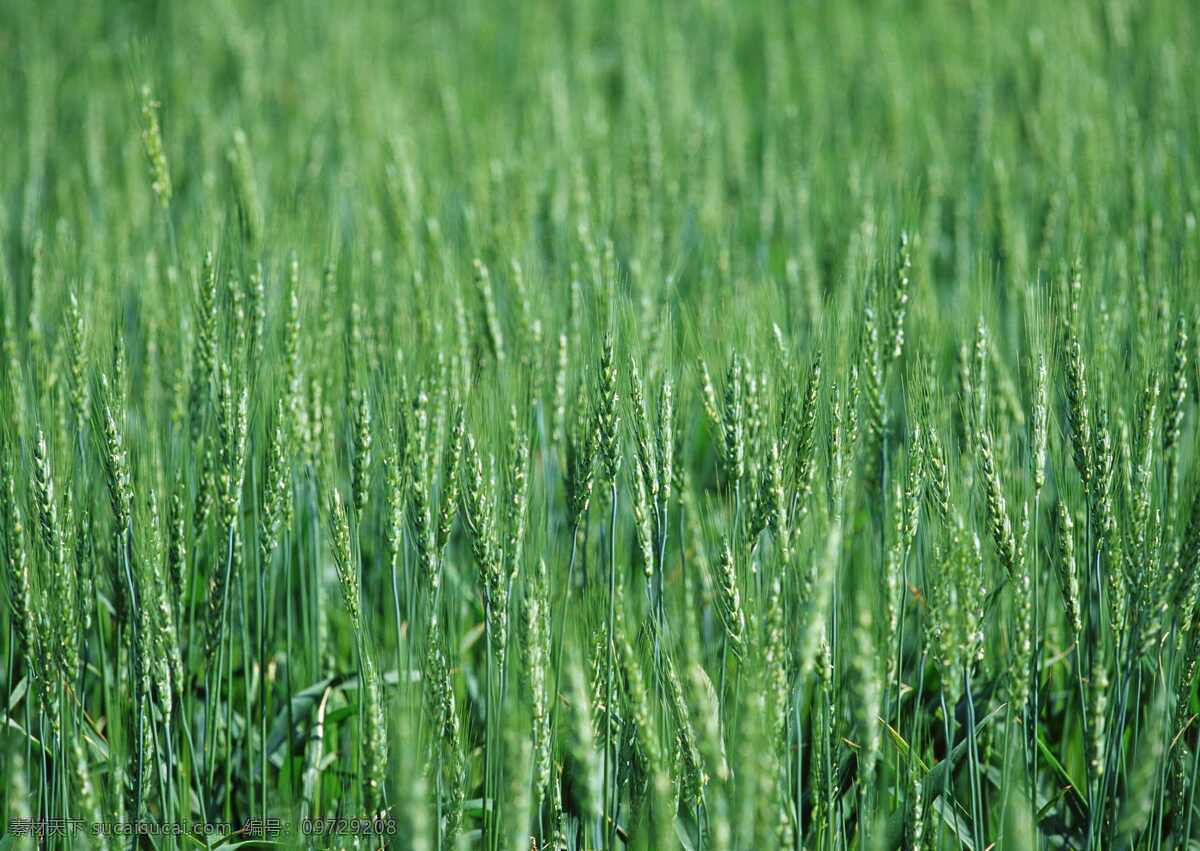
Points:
point(16, 557)
point(518, 499)
point(1068, 571)
point(144, 660)
point(126, 577)
point(583, 746)
point(643, 523)
point(78, 363)
point(937, 489)
point(1105, 469)
point(775, 502)
point(89, 800)
point(1189, 571)
point(1078, 417)
point(120, 493)
point(973, 592)
point(231, 443)
point(755, 387)
point(441, 706)
point(51, 534)
point(953, 628)
point(665, 446)
point(167, 663)
point(416, 452)
point(177, 540)
point(343, 559)
point(997, 508)
point(1177, 393)
point(914, 486)
point(491, 316)
point(256, 296)
point(823, 737)
point(462, 337)
point(1151, 582)
point(375, 739)
point(558, 417)
point(916, 815)
point(581, 457)
point(603, 708)
point(529, 326)
point(674, 222)
point(85, 566)
point(850, 415)
point(899, 304)
point(692, 775)
point(63, 586)
point(329, 324)
point(979, 373)
point(276, 490)
point(709, 722)
point(535, 649)
point(608, 419)
point(649, 748)
point(293, 368)
point(152, 140)
point(1008, 397)
point(479, 514)
point(708, 395)
point(872, 365)
point(730, 420)
point(1098, 687)
point(204, 358)
point(249, 205)
point(824, 572)
point(1040, 434)
point(775, 663)
point(360, 478)
point(117, 466)
point(451, 477)
point(206, 489)
point(319, 440)
point(805, 460)
point(729, 601)
point(62, 631)
point(1018, 677)
point(867, 692)
point(35, 323)
point(1143, 462)
point(238, 323)
point(893, 566)
point(644, 438)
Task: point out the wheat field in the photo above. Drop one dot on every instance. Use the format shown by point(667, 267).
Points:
point(600, 425)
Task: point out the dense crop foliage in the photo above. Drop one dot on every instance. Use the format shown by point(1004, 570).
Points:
point(598, 425)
